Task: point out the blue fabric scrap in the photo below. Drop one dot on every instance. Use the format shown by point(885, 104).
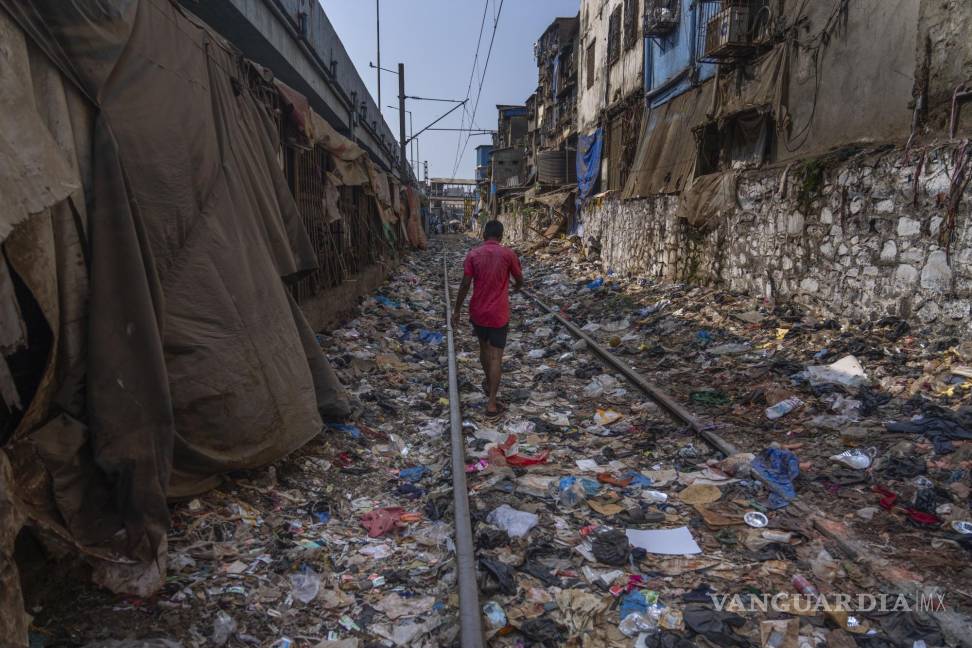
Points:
point(778, 469)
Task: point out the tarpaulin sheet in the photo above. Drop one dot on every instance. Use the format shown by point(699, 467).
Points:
point(708, 197)
point(763, 87)
point(667, 149)
point(199, 362)
point(297, 109)
point(333, 142)
point(44, 250)
point(33, 173)
point(413, 229)
point(588, 163)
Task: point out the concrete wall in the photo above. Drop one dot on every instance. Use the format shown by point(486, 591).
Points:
point(856, 244)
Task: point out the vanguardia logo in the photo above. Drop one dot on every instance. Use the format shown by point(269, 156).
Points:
point(803, 604)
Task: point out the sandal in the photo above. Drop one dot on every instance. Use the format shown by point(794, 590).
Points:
point(500, 410)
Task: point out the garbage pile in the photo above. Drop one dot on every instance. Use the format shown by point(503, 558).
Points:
point(599, 520)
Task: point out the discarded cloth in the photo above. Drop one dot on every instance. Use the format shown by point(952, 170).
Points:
point(778, 469)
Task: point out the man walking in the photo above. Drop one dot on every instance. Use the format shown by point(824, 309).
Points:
point(488, 267)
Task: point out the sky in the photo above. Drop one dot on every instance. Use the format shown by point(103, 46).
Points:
point(436, 40)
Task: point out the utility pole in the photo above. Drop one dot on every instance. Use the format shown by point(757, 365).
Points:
point(378, 40)
point(401, 121)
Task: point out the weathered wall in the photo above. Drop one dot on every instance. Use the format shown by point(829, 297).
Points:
point(611, 83)
point(856, 244)
point(944, 56)
point(833, 102)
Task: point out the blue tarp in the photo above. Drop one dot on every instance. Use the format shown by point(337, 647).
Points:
point(588, 164)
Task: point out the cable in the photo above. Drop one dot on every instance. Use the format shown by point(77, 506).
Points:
point(472, 73)
point(479, 92)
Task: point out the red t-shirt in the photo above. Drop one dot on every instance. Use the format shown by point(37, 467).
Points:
point(490, 266)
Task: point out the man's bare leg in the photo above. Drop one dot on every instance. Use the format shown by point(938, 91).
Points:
point(494, 372)
point(484, 361)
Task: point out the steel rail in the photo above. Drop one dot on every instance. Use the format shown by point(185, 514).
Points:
point(655, 393)
point(470, 617)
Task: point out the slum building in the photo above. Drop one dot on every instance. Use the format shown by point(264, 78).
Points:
point(766, 163)
point(508, 159)
point(180, 221)
point(544, 185)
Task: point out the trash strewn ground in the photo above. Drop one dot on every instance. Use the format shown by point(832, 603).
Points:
point(599, 520)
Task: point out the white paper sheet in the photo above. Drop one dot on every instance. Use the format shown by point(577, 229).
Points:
point(664, 541)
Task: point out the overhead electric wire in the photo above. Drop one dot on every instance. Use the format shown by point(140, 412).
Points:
point(479, 91)
point(472, 73)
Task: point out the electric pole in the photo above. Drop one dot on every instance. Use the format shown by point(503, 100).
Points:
point(378, 40)
point(401, 122)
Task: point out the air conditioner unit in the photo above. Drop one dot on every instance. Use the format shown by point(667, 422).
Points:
point(661, 17)
point(727, 34)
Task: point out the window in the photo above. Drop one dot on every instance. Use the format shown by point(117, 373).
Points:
point(590, 65)
point(614, 146)
point(614, 36)
point(630, 23)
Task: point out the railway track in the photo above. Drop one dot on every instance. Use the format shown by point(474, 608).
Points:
point(471, 625)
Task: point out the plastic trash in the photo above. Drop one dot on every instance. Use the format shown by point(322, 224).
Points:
point(633, 602)
point(597, 283)
point(856, 458)
point(536, 354)
point(495, 615)
point(637, 622)
point(385, 301)
point(607, 416)
point(434, 428)
point(305, 584)
point(823, 566)
point(611, 547)
point(847, 371)
point(777, 469)
point(414, 474)
point(783, 408)
point(804, 586)
point(654, 497)
point(516, 523)
point(755, 519)
point(568, 492)
point(224, 627)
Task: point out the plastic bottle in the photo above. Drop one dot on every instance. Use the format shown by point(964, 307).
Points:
point(783, 408)
point(804, 586)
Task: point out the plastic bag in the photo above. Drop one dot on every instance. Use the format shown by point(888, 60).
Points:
point(305, 584)
point(224, 627)
point(516, 523)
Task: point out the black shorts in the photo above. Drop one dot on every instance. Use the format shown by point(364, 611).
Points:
point(496, 337)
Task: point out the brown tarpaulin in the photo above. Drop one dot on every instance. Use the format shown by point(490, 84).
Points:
point(199, 362)
point(764, 86)
point(413, 229)
point(667, 149)
point(708, 197)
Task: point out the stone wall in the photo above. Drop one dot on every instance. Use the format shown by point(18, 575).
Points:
point(850, 237)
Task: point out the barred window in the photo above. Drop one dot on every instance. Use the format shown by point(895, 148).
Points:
point(614, 36)
point(630, 23)
point(590, 65)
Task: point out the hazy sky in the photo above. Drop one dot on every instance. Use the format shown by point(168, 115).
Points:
point(436, 40)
